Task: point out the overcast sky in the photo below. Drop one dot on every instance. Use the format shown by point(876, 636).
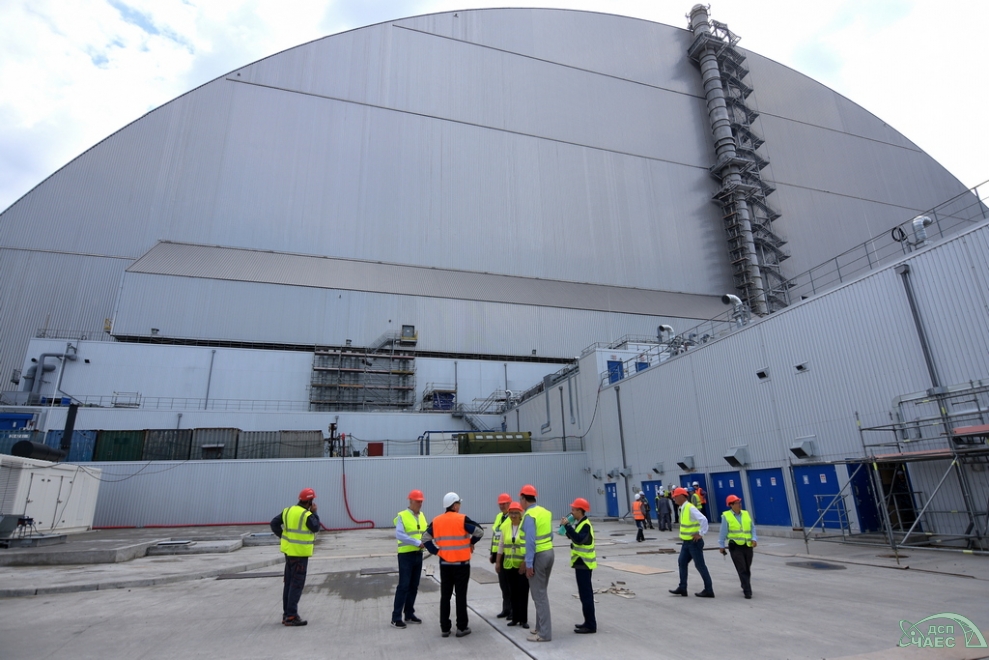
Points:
point(74, 71)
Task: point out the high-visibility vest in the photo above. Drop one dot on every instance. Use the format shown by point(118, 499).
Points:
point(637, 510)
point(700, 495)
point(514, 547)
point(585, 552)
point(414, 524)
point(739, 531)
point(544, 526)
point(451, 537)
point(688, 526)
point(297, 539)
point(496, 530)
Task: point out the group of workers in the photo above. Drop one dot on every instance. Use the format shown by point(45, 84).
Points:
point(521, 550)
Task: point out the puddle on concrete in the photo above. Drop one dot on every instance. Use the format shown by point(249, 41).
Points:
point(349, 585)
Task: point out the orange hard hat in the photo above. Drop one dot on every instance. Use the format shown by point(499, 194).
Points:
point(504, 498)
point(416, 495)
point(582, 504)
point(529, 490)
point(731, 499)
point(680, 492)
point(515, 506)
point(307, 495)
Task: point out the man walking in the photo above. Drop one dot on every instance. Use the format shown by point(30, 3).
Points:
point(504, 500)
point(739, 531)
point(409, 527)
point(537, 526)
point(296, 527)
point(664, 512)
point(452, 536)
point(693, 527)
point(583, 560)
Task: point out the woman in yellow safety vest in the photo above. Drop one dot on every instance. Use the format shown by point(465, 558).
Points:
point(738, 531)
point(511, 556)
point(583, 559)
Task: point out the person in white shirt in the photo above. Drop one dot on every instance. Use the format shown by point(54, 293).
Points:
point(693, 527)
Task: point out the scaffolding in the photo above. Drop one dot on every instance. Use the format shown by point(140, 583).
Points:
point(355, 379)
point(755, 250)
point(928, 473)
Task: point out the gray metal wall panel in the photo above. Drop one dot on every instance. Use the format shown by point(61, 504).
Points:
point(861, 350)
point(252, 491)
point(58, 292)
point(187, 307)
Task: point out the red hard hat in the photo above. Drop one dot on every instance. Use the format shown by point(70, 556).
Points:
point(416, 495)
point(515, 506)
point(529, 490)
point(504, 498)
point(732, 498)
point(680, 491)
point(307, 495)
point(582, 504)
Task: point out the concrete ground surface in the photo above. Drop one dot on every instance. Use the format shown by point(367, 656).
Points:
point(176, 606)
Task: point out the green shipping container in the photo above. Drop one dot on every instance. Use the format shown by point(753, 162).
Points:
point(495, 442)
point(119, 446)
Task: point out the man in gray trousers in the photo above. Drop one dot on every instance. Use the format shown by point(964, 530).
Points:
point(537, 525)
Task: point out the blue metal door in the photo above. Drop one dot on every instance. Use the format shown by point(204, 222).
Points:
point(611, 494)
point(687, 481)
point(862, 495)
point(816, 487)
point(616, 371)
point(769, 502)
point(723, 484)
point(650, 488)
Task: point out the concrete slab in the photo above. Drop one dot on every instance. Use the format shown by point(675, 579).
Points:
point(796, 613)
point(195, 548)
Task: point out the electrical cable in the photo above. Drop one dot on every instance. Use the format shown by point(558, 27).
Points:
point(362, 524)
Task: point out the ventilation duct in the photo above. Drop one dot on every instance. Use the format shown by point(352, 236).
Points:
point(804, 447)
point(686, 463)
point(738, 456)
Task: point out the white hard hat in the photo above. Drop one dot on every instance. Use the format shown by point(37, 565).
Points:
point(696, 484)
point(450, 499)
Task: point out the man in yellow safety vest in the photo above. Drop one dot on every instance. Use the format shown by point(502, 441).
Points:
point(409, 527)
point(537, 525)
point(738, 531)
point(693, 527)
point(296, 526)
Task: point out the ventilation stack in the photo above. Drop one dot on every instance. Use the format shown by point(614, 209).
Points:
point(754, 249)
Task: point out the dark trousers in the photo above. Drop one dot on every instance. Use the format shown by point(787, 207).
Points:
point(453, 579)
point(693, 551)
point(741, 556)
point(295, 582)
point(641, 535)
point(409, 572)
point(664, 521)
point(518, 585)
point(506, 591)
point(648, 520)
point(586, 592)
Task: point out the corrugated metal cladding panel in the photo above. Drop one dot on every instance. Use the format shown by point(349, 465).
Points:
point(858, 348)
point(300, 444)
point(955, 317)
point(247, 491)
point(55, 291)
point(168, 445)
point(188, 307)
point(214, 443)
point(258, 444)
point(211, 262)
